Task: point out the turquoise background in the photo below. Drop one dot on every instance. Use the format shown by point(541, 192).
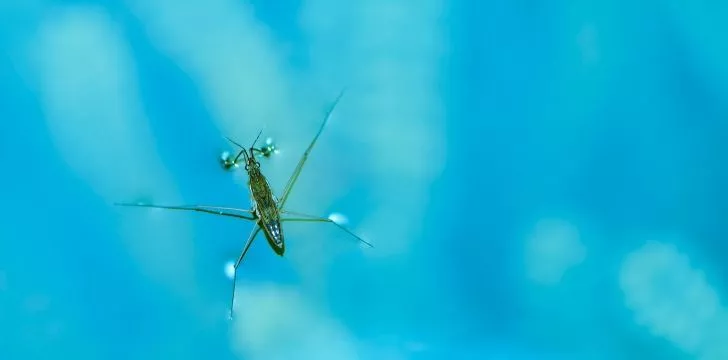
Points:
point(608, 116)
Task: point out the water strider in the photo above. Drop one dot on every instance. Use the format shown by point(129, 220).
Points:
point(267, 211)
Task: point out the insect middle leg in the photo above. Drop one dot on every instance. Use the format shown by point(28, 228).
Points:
point(297, 171)
point(215, 210)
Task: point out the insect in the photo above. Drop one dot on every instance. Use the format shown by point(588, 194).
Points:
point(267, 212)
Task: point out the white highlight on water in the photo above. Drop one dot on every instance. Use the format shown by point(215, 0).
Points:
point(338, 218)
point(673, 300)
point(230, 269)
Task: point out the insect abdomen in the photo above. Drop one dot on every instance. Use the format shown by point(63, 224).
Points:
point(274, 235)
point(267, 211)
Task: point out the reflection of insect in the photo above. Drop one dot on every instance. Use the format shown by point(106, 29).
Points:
point(267, 210)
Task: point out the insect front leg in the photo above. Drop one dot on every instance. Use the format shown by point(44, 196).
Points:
point(268, 149)
point(227, 162)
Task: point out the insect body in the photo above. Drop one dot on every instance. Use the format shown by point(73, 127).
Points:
point(267, 211)
point(265, 206)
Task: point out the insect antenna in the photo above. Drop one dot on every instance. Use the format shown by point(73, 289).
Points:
point(256, 140)
point(241, 152)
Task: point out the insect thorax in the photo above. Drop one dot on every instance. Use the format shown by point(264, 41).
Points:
point(262, 196)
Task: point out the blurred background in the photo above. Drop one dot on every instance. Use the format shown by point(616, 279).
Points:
point(541, 179)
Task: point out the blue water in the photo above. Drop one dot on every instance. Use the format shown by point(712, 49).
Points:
point(541, 180)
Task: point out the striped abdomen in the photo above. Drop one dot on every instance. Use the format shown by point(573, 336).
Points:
point(266, 209)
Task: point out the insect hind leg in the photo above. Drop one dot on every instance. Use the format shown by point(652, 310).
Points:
point(252, 236)
point(300, 217)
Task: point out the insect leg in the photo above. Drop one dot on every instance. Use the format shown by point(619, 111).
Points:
point(299, 167)
point(216, 210)
point(237, 263)
point(311, 218)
